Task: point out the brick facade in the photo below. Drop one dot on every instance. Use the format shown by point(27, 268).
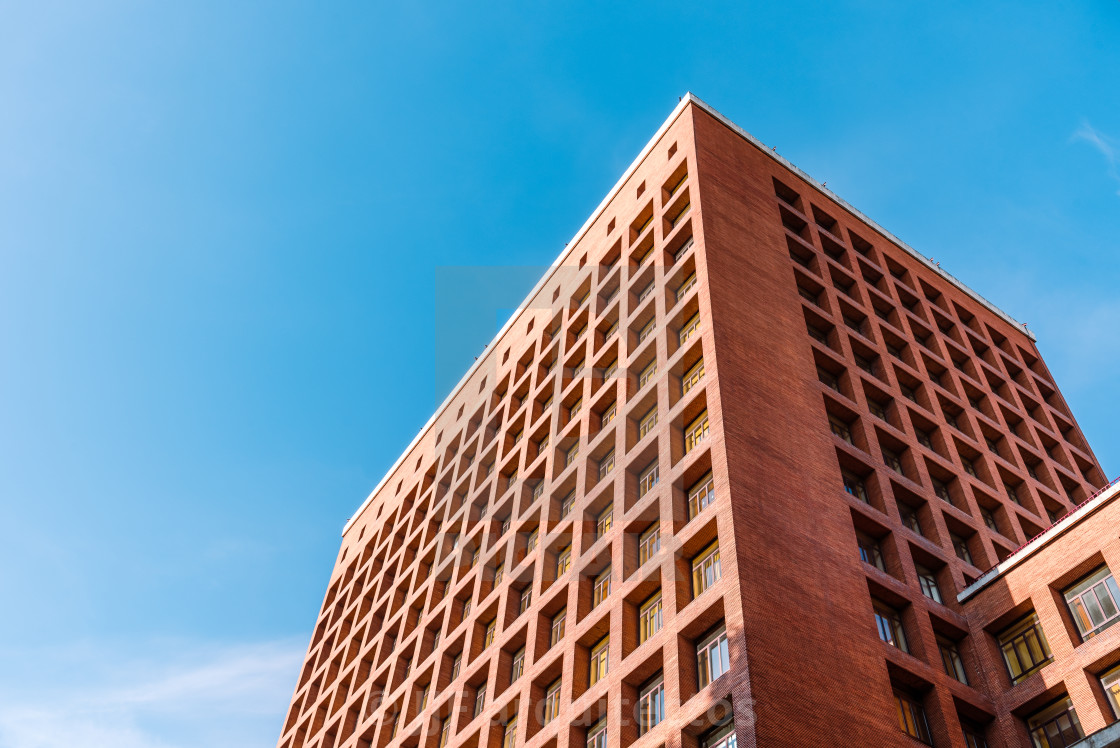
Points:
point(720, 316)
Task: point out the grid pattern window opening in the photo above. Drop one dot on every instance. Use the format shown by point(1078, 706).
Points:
point(601, 590)
point(649, 618)
point(706, 569)
point(692, 377)
point(651, 705)
point(605, 521)
point(1056, 726)
point(1024, 648)
point(600, 660)
point(889, 624)
point(648, 479)
point(712, 657)
point(1094, 602)
point(647, 422)
point(552, 701)
point(701, 495)
point(649, 544)
point(912, 717)
point(696, 432)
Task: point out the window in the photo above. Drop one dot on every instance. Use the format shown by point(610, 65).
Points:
point(870, 552)
point(557, 630)
point(563, 561)
point(424, 691)
point(647, 422)
point(989, 519)
point(909, 517)
point(893, 461)
point(889, 623)
point(518, 668)
point(606, 465)
point(1056, 726)
point(928, 582)
point(692, 377)
point(646, 331)
point(552, 701)
point(706, 569)
point(912, 717)
point(455, 666)
point(542, 445)
point(647, 479)
point(942, 491)
point(712, 657)
point(1111, 683)
point(688, 285)
point(525, 600)
point(689, 328)
point(701, 495)
point(696, 432)
point(604, 522)
point(488, 636)
point(531, 541)
point(649, 543)
point(609, 414)
point(566, 503)
point(444, 731)
point(951, 659)
point(610, 370)
point(1024, 648)
point(647, 374)
point(722, 737)
point(644, 293)
point(974, 737)
point(960, 545)
point(651, 705)
point(467, 607)
point(840, 429)
point(599, 659)
point(649, 617)
point(509, 735)
point(1093, 602)
point(499, 573)
point(602, 587)
point(854, 485)
point(480, 700)
point(571, 454)
point(597, 735)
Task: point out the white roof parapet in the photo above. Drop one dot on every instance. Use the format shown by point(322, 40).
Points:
point(1043, 539)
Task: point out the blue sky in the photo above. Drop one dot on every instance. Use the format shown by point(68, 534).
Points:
point(227, 229)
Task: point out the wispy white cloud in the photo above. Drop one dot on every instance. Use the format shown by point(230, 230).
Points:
point(197, 696)
point(1105, 145)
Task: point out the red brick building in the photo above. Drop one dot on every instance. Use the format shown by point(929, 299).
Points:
point(718, 482)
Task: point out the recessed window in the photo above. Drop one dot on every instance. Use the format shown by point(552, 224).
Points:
point(480, 700)
point(571, 455)
point(721, 737)
point(1056, 726)
point(928, 582)
point(646, 331)
point(701, 495)
point(870, 552)
point(644, 293)
point(689, 329)
point(531, 541)
point(688, 285)
point(912, 717)
point(889, 623)
point(951, 659)
point(600, 659)
point(650, 617)
point(488, 637)
point(706, 569)
point(696, 432)
point(597, 735)
point(854, 485)
point(1111, 683)
point(609, 414)
point(647, 479)
point(647, 422)
point(601, 589)
point(509, 734)
point(974, 737)
point(1024, 648)
point(1094, 602)
point(649, 543)
point(605, 521)
point(712, 656)
point(567, 503)
point(647, 374)
point(606, 465)
point(444, 731)
point(552, 701)
point(840, 429)
point(563, 561)
point(651, 705)
point(458, 661)
point(960, 545)
point(524, 600)
point(692, 377)
point(556, 630)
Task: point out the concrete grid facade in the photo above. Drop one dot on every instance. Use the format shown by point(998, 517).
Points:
point(725, 333)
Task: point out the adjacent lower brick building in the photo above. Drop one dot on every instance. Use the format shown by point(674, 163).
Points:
point(718, 482)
